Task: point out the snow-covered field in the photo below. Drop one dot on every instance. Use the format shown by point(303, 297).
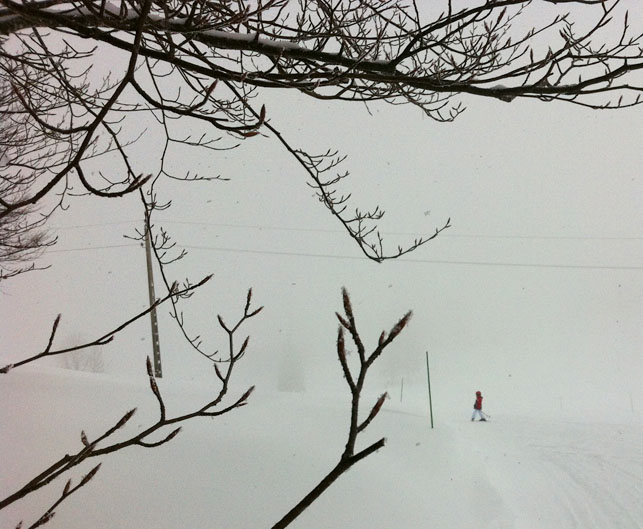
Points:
point(247, 468)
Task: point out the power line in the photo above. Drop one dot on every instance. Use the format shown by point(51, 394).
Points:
point(320, 230)
point(544, 237)
point(409, 260)
point(444, 234)
point(88, 248)
point(358, 257)
point(97, 225)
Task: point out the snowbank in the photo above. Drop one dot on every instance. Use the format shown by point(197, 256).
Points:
point(247, 468)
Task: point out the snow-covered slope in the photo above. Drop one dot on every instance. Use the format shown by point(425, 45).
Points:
point(247, 468)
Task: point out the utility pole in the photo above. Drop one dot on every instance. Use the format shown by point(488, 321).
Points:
point(150, 288)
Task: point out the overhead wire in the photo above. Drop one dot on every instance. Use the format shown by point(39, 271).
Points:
point(321, 230)
point(360, 257)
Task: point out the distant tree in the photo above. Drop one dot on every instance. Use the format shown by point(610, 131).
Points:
point(292, 376)
point(23, 237)
point(22, 241)
point(210, 61)
point(89, 359)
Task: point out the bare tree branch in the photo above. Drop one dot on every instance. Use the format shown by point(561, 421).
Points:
point(65, 113)
point(107, 337)
point(147, 438)
point(355, 380)
point(221, 56)
point(23, 237)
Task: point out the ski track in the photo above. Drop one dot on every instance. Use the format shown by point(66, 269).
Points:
point(584, 484)
point(615, 495)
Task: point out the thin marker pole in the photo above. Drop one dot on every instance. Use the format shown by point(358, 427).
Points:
point(428, 378)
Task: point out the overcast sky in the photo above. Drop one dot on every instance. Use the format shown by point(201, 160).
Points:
point(535, 288)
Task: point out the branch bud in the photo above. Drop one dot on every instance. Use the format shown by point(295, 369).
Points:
point(347, 303)
point(45, 518)
point(66, 489)
point(378, 405)
point(248, 299)
point(155, 387)
point(172, 435)
point(255, 312)
point(211, 88)
point(399, 326)
point(86, 479)
point(125, 418)
point(204, 280)
point(374, 411)
point(243, 347)
point(245, 396)
point(343, 321)
point(341, 347)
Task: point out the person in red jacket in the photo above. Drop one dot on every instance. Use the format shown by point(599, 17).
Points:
point(477, 407)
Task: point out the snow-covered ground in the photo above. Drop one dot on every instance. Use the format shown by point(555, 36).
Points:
point(247, 468)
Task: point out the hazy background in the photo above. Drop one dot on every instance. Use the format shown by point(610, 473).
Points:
point(536, 288)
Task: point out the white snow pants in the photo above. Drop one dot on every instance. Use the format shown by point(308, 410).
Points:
point(478, 413)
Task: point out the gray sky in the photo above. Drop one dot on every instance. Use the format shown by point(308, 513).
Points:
point(535, 288)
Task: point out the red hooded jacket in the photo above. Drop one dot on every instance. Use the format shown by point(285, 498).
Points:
point(478, 404)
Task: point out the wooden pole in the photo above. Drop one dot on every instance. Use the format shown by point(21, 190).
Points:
point(428, 378)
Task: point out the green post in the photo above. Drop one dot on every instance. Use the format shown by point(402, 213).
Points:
point(428, 378)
